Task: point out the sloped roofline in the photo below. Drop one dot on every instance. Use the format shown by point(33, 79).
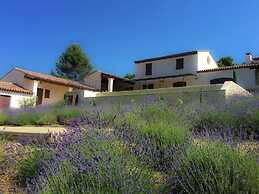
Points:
point(11, 87)
point(251, 66)
point(108, 75)
point(170, 56)
point(51, 79)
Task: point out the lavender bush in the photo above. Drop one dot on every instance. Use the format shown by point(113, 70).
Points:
point(91, 160)
point(151, 146)
point(214, 167)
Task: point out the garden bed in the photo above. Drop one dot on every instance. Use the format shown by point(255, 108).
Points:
point(154, 147)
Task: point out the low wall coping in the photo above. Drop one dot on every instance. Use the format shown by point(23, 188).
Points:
point(170, 90)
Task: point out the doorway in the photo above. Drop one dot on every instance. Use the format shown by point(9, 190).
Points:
point(4, 101)
point(39, 96)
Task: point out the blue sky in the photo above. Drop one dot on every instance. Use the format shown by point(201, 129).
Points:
point(114, 33)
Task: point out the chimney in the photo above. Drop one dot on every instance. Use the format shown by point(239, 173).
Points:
point(249, 58)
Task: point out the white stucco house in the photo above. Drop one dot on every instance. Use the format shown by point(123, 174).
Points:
point(192, 69)
point(18, 84)
point(195, 68)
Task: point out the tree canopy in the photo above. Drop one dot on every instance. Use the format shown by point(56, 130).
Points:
point(129, 75)
point(73, 64)
point(225, 61)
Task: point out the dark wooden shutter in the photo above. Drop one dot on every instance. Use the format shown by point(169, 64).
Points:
point(179, 63)
point(149, 69)
point(47, 93)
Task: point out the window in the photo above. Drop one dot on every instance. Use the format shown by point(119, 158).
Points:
point(208, 60)
point(149, 86)
point(220, 80)
point(47, 93)
point(179, 84)
point(179, 63)
point(149, 69)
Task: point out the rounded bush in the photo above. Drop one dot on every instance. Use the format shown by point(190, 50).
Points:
point(23, 118)
point(3, 118)
point(45, 118)
point(68, 114)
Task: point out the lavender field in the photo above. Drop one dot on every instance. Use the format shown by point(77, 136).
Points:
point(151, 146)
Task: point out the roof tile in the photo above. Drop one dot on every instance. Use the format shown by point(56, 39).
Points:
point(54, 80)
point(11, 87)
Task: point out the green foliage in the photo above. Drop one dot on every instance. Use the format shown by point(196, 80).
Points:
point(45, 118)
point(28, 102)
point(22, 118)
point(60, 104)
point(112, 169)
point(232, 120)
point(30, 167)
point(213, 167)
point(161, 124)
point(254, 118)
point(225, 61)
point(3, 118)
point(68, 114)
point(73, 64)
point(129, 75)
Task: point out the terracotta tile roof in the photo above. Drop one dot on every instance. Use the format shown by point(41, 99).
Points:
point(108, 75)
point(256, 58)
point(251, 66)
point(54, 80)
point(10, 87)
point(170, 56)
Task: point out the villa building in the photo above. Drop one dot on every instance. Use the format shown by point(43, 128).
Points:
point(18, 84)
point(195, 68)
point(192, 69)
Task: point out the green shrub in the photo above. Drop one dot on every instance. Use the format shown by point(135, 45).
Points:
point(30, 167)
point(28, 102)
point(255, 118)
point(68, 114)
point(23, 118)
point(3, 118)
point(213, 167)
point(60, 104)
point(1, 154)
point(160, 123)
point(45, 118)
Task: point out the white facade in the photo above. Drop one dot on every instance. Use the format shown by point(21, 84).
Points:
point(166, 67)
point(16, 98)
point(194, 62)
point(205, 61)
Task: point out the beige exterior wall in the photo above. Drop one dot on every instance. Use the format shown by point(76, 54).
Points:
point(57, 92)
point(17, 77)
point(94, 80)
point(166, 83)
